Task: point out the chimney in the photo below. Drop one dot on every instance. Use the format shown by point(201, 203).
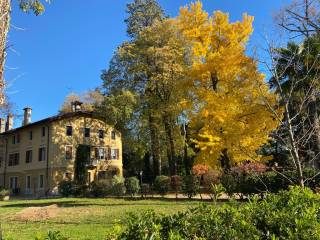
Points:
point(76, 106)
point(9, 123)
point(27, 116)
point(2, 125)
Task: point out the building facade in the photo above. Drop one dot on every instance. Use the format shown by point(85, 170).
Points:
point(34, 158)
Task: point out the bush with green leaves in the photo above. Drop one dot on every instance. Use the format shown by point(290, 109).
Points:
point(65, 188)
point(162, 185)
point(4, 193)
point(69, 188)
point(117, 186)
point(132, 186)
point(231, 183)
point(101, 188)
point(190, 186)
point(288, 215)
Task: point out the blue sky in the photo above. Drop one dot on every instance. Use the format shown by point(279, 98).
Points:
point(65, 49)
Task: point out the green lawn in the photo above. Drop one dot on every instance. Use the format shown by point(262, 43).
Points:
point(78, 218)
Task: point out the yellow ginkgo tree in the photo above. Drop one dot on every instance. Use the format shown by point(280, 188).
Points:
point(228, 96)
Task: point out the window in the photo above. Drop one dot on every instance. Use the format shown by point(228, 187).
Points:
point(100, 153)
point(43, 131)
point(13, 159)
point(29, 156)
point(69, 130)
point(42, 154)
point(1, 161)
point(101, 133)
point(41, 181)
point(113, 135)
point(14, 139)
point(68, 152)
point(114, 154)
point(30, 135)
point(13, 183)
point(18, 138)
point(28, 183)
point(87, 132)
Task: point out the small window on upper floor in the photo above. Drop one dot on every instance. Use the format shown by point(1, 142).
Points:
point(43, 131)
point(113, 135)
point(69, 130)
point(101, 133)
point(18, 138)
point(30, 135)
point(87, 132)
point(14, 139)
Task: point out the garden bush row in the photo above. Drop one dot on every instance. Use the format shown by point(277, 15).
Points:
point(237, 181)
point(118, 186)
point(287, 215)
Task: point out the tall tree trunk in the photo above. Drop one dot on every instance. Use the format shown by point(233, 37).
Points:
point(5, 8)
point(155, 145)
point(147, 171)
point(172, 152)
point(186, 159)
point(225, 160)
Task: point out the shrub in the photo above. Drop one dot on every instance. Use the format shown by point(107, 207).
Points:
point(217, 191)
point(190, 186)
point(210, 178)
point(117, 186)
point(162, 185)
point(271, 218)
point(200, 169)
point(80, 190)
point(4, 193)
point(65, 188)
point(230, 183)
point(101, 188)
point(132, 186)
point(69, 188)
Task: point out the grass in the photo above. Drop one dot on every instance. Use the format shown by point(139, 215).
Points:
point(79, 218)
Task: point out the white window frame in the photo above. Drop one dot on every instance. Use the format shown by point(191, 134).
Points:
point(104, 151)
point(115, 150)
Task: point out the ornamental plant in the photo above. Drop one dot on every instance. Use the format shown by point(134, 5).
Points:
point(162, 185)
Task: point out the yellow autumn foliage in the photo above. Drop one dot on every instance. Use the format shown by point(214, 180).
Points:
point(228, 94)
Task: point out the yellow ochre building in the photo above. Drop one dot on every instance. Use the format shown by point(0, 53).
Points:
point(35, 157)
